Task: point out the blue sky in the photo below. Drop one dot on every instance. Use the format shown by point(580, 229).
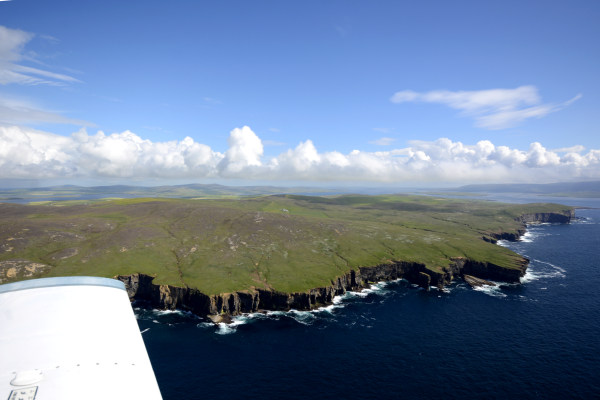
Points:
point(385, 93)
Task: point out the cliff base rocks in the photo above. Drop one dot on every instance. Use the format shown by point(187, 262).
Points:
point(477, 282)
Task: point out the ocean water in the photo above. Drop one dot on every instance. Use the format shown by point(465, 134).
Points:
point(539, 339)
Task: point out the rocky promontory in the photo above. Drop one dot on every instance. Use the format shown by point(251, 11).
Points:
point(221, 306)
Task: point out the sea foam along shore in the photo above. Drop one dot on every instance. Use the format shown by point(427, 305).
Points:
point(173, 317)
point(307, 317)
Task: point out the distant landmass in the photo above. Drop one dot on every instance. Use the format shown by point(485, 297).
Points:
point(216, 191)
point(189, 191)
point(563, 189)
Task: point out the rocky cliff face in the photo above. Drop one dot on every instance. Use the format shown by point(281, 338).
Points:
point(562, 218)
point(141, 287)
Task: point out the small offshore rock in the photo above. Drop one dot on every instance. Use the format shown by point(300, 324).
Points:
point(477, 282)
point(219, 318)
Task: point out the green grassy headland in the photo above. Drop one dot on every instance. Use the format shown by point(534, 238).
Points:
point(287, 243)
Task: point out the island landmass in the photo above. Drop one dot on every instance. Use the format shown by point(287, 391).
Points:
point(224, 257)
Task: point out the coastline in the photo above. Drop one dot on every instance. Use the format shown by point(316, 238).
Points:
point(221, 307)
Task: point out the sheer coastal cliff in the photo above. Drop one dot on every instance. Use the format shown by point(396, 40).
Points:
point(220, 307)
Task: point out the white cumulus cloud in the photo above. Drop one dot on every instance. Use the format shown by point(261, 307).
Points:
point(245, 150)
point(491, 109)
point(27, 153)
point(30, 154)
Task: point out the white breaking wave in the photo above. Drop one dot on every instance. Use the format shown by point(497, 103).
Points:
point(583, 221)
point(328, 309)
point(534, 232)
point(527, 237)
point(448, 289)
point(307, 317)
point(304, 317)
point(539, 269)
point(163, 317)
point(494, 291)
point(166, 312)
point(376, 288)
point(226, 329)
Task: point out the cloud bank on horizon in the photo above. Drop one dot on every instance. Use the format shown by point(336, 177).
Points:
point(30, 154)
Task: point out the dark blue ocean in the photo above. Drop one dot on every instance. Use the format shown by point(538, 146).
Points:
point(539, 339)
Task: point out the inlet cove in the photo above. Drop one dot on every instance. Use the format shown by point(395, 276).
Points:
point(223, 257)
